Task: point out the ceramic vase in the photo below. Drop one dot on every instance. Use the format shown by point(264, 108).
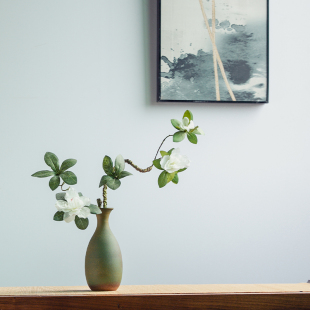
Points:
point(103, 262)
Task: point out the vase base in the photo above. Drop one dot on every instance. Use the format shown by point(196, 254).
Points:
point(104, 287)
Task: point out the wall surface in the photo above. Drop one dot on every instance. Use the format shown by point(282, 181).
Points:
point(77, 78)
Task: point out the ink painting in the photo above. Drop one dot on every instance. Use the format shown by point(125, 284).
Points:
point(213, 51)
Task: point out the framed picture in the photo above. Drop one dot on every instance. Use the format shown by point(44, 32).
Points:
point(213, 51)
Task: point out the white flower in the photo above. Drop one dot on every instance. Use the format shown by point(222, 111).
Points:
point(74, 205)
point(174, 162)
point(186, 124)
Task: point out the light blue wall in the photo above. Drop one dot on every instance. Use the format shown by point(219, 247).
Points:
point(77, 78)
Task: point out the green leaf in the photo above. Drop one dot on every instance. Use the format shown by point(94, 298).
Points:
point(175, 180)
point(61, 196)
point(69, 177)
point(110, 182)
point(54, 182)
point(170, 151)
point(59, 216)
point(198, 131)
point(193, 130)
point(163, 179)
point(176, 124)
point(52, 161)
point(114, 183)
point(124, 174)
point(192, 138)
point(189, 115)
point(170, 176)
point(80, 194)
point(163, 153)
point(104, 180)
point(181, 170)
point(119, 164)
point(94, 209)
point(81, 223)
point(179, 136)
point(156, 163)
point(107, 165)
point(68, 163)
point(43, 174)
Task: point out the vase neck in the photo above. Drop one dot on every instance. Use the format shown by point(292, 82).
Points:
point(103, 218)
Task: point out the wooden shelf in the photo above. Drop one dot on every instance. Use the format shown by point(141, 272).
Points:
point(218, 296)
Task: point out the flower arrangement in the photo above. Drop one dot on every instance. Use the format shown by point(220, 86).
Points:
point(72, 205)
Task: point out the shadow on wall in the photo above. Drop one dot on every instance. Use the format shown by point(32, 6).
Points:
point(150, 33)
point(150, 50)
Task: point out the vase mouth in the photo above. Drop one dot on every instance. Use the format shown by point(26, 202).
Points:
point(106, 209)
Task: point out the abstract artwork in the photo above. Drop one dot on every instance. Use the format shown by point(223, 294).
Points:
point(213, 50)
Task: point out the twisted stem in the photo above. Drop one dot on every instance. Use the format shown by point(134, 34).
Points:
point(161, 146)
point(62, 186)
point(104, 194)
point(99, 202)
point(148, 169)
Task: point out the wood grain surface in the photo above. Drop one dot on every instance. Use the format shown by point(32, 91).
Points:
point(238, 296)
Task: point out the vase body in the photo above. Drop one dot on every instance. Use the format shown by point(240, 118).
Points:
point(103, 262)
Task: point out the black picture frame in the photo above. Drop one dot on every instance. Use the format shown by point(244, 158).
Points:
point(159, 58)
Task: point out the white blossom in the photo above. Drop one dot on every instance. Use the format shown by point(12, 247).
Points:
point(175, 161)
point(186, 124)
point(74, 205)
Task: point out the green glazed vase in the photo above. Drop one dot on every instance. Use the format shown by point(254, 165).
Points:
point(103, 262)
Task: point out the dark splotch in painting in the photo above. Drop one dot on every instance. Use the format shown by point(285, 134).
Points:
point(213, 50)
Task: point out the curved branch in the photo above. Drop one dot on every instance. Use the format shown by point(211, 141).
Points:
point(62, 186)
point(161, 145)
point(148, 169)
